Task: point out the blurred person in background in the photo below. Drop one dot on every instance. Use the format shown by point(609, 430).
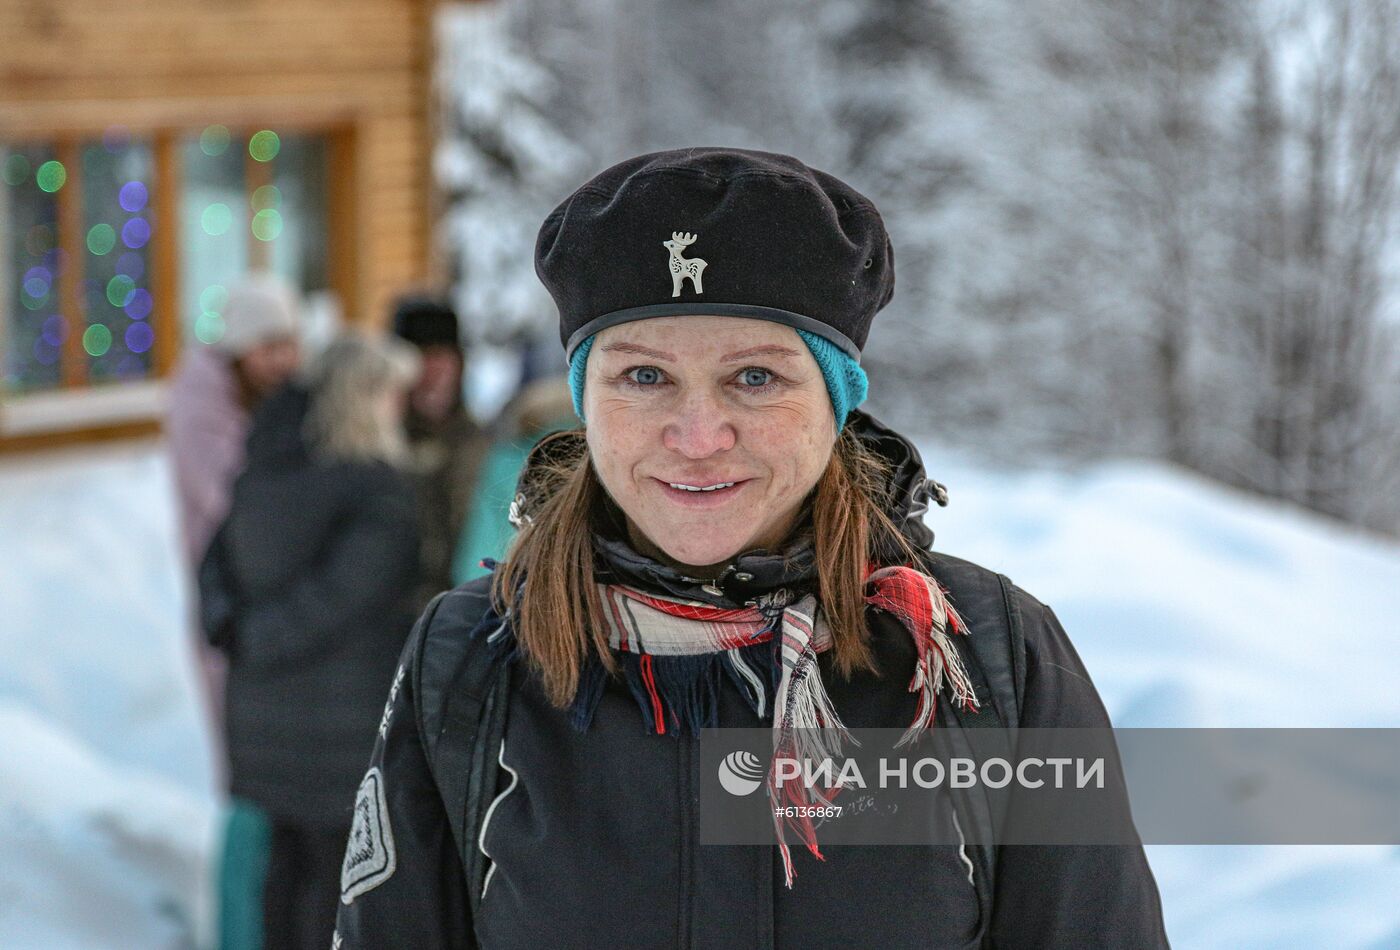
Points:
point(540, 407)
point(214, 392)
point(308, 589)
point(216, 389)
point(445, 445)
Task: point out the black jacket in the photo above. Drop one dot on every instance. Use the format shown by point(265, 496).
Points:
point(308, 587)
point(592, 838)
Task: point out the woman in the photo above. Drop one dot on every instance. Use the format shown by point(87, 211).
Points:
point(728, 542)
point(308, 589)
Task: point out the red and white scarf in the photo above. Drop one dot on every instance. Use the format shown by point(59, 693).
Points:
point(805, 722)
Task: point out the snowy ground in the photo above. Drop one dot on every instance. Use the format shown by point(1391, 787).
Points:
point(108, 818)
point(1191, 605)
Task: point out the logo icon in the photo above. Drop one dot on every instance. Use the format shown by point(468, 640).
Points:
point(370, 859)
point(683, 267)
point(740, 773)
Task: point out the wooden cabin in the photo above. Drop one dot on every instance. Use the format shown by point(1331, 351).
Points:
point(151, 152)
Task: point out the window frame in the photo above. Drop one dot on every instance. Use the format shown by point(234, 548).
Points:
point(79, 410)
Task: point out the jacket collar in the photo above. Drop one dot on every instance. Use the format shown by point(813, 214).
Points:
point(753, 573)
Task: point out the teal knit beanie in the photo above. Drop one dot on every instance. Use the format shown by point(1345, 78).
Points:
point(846, 382)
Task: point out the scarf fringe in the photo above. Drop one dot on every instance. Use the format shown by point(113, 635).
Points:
point(939, 661)
point(676, 694)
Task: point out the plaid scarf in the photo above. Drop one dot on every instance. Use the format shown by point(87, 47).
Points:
point(669, 650)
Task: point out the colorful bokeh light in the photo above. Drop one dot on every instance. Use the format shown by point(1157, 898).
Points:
point(216, 219)
point(139, 337)
point(45, 353)
point(37, 281)
point(214, 140)
point(101, 238)
point(136, 232)
point(138, 307)
point(16, 171)
point(51, 176)
point(213, 299)
point(264, 145)
point(267, 224)
point(267, 197)
point(120, 290)
point(132, 197)
point(97, 340)
point(209, 328)
point(55, 330)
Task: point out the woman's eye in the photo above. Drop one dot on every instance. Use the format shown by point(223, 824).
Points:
point(645, 375)
point(756, 378)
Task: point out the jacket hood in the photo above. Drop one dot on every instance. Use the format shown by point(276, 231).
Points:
point(906, 496)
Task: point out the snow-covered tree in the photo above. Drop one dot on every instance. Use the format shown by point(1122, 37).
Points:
point(502, 164)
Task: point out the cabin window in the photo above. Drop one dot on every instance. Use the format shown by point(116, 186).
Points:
point(116, 251)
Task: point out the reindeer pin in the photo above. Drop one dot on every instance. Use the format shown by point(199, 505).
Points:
point(683, 267)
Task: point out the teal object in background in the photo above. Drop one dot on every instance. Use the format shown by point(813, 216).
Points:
point(488, 531)
point(242, 872)
point(539, 409)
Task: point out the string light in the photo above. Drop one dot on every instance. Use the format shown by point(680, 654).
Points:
point(216, 219)
point(209, 328)
point(267, 224)
point(136, 232)
point(213, 141)
point(138, 307)
point(132, 197)
point(120, 290)
point(101, 238)
point(264, 145)
point(51, 176)
point(139, 337)
point(97, 340)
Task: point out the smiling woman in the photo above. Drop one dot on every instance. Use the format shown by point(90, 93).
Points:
point(728, 542)
point(714, 453)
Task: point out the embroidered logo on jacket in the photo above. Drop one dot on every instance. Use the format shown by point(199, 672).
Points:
point(683, 267)
point(369, 855)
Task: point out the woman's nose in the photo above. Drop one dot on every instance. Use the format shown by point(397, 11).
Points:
point(701, 427)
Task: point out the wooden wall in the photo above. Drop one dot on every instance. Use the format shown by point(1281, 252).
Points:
point(355, 68)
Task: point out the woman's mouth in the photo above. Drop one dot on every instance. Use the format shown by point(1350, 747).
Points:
point(702, 494)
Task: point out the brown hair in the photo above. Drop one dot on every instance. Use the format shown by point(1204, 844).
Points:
point(559, 615)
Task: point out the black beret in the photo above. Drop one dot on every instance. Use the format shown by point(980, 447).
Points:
point(719, 231)
point(424, 321)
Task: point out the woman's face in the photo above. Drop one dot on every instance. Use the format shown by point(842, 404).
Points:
point(676, 404)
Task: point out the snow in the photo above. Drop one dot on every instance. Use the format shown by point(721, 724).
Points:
point(1191, 604)
point(1197, 605)
point(108, 815)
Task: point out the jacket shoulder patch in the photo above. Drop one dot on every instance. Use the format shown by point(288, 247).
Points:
point(369, 856)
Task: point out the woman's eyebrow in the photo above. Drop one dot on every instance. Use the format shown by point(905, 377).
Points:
point(639, 350)
point(768, 349)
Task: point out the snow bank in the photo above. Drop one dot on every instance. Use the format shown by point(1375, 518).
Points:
point(107, 807)
point(1196, 605)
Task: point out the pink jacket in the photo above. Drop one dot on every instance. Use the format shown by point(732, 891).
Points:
point(206, 427)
